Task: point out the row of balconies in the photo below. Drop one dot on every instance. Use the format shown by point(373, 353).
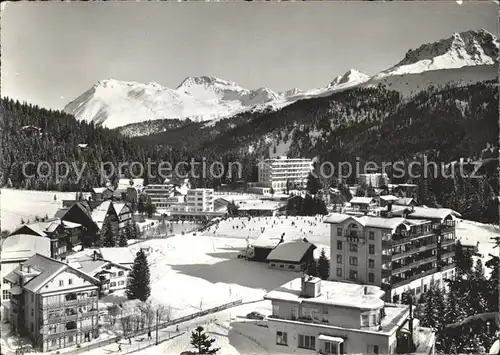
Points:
point(71, 331)
point(403, 254)
point(71, 317)
point(72, 303)
point(414, 264)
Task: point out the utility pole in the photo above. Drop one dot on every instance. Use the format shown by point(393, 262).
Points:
point(157, 321)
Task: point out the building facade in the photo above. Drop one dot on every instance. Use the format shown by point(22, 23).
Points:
point(283, 173)
point(312, 316)
point(53, 304)
point(200, 200)
point(395, 253)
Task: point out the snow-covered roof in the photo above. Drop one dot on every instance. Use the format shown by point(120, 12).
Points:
point(267, 240)
point(433, 213)
point(82, 145)
point(37, 227)
point(24, 246)
point(362, 200)
point(292, 251)
point(332, 293)
point(122, 256)
point(389, 198)
point(99, 213)
point(367, 221)
point(99, 190)
point(405, 201)
point(119, 207)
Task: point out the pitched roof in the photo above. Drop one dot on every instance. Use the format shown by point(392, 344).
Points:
point(389, 198)
point(433, 213)
point(363, 200)
point(61, 212)
point(119, 207)
point(47, 268)
point(100, 212)
point(23, 246)
point(37, 227)
point(367, 221)
point(404, 201)
point(267, 240)
point(292, 251)
point(117, 255)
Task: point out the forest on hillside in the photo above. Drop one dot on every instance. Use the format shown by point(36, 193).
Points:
point(364, 124)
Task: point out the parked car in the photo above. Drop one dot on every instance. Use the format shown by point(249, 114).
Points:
point(255, 315)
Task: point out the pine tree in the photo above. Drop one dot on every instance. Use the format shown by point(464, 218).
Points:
point(312, 268)
point(454, 311)
point(122, 242)
point(323, 266)
point(138, 285)
point(463, 259)
point(202, 342)
point(109, 233)
point(313, 185)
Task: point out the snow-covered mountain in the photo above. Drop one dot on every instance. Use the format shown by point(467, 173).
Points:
point(114, 103)
point(462, 59)
point(470, 48)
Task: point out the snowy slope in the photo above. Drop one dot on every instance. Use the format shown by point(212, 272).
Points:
point(462, 59)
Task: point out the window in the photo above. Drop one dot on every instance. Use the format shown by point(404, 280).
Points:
point(5, 294)
point(339, 245)
point(425, 288)
point(373, 349)
point(371, 277)
point(70, 282)
point(112, 284)
point(364, 320)
point(353, 275)
point(121, 283)
point(276, 310)
point(353, 261)
point(307, 342)
point(371, 235)
point(281, 338)
point(5, 282)
point(54, 342)
point(371, 263)
point(294, 312)
point(339, 272)
point(52, 329)
point(418, 290)
point(120, 273)
point(70, 339)
point(339, 259)
point(353, 247)
point(61, 283)
point(32, 327)
point(339, 232)
point(371, 249)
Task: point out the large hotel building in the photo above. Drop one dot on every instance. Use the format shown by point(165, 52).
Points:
point(401, 249)
point(277, 173)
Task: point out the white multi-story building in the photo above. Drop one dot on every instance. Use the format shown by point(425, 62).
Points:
point(283, 171)
point(200, 200)
point(376, 180)
point(314, 316)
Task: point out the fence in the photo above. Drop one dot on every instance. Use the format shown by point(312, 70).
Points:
point(160, 326)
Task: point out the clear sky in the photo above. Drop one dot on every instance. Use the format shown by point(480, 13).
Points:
point(54, 51)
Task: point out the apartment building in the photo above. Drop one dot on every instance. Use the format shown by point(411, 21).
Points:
point(53, 304)
point(376, 180)
point(200, 200)
point(283, 171)
point(398, 251)
point(326, 317)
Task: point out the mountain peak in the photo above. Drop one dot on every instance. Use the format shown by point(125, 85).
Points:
point(468, 48)
point(204, 81)
point(350, 76)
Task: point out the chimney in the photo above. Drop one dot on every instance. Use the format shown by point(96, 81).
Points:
point(282, 237)
point(21, 267)
point(94, 256)
point(365, 289)
point(389, 206)
point(28, 269)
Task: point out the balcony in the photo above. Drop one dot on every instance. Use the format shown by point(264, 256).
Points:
point(446, 242)
point(448, 255)
point(398, 281)
point(414, 250)
point(72, 303)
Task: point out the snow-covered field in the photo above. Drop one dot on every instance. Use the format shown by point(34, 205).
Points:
point(25, 204)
